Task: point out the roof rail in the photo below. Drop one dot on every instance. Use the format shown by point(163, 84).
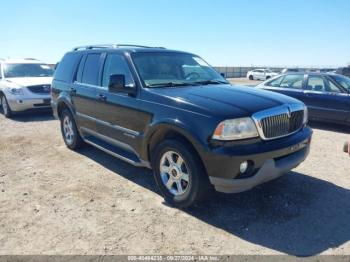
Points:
point(110, 46)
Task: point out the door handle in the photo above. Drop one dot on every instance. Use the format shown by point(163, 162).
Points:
point(101, 97)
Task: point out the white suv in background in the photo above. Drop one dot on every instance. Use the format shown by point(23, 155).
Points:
point(25, 84)
point(260, 74)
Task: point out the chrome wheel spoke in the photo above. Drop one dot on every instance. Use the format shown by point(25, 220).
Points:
point(169, 157)
point(164, 169)
point(170, 183)
point(179, 187)
point(185, 177)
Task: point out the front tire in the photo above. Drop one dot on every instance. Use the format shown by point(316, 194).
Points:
point(251, 77)
point(69, 130)
point(5, 107)
point(180, 174)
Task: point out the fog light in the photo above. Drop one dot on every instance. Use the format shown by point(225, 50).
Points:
point(243, 167)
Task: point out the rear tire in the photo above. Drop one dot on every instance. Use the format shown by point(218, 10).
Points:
point(251, 77)
point(69, 130)
point(180, 174)
point(5, 107)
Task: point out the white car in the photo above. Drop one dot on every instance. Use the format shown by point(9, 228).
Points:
point(25, 84)
point(260, 74)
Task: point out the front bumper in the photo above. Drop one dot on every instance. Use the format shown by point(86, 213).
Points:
point(271, 169)
point(18, 104)
point(269, 159)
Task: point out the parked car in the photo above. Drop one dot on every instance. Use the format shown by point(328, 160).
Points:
point(327, 96)
point(291, 70)
point(343, 71)
point(170, 111)
point(260, 74)
point(24, 85)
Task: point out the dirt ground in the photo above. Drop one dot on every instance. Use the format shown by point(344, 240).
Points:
point(57, 201)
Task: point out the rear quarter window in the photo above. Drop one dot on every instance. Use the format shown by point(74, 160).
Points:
point(67, 67)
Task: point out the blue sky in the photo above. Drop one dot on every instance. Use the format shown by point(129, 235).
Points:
point(224, 32)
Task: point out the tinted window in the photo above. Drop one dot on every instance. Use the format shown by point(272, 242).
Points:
point(275, 82)
point(66, 67)
point(91, 69)
point(292, 81)
point(116, 65)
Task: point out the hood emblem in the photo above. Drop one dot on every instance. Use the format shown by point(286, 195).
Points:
point(289, 112)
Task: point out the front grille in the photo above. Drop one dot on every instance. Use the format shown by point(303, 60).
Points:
point(282, 124)
point(40, 89)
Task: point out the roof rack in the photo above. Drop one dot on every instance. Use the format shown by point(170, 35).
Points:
point(111, 46)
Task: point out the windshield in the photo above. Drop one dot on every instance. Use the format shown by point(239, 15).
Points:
point(27, 70)
point(174, 69)
point(343, 81)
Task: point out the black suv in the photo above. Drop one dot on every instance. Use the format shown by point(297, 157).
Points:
point(170, 111)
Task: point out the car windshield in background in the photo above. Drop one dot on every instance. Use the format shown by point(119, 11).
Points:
point(27, 70)
point(342, 80)
point(174, 69)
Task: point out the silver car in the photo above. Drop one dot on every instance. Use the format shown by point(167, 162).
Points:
point(25, 84)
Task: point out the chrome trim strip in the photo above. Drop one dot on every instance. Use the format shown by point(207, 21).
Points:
point(132, 133)
point(283, 109)
point(114, 142)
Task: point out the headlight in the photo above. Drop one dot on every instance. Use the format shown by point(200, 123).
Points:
point(235, 129)
point(15, 91)
point(306, 115)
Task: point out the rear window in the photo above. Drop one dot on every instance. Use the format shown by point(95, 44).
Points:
point(66, 68)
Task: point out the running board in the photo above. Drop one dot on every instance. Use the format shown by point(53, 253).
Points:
point(116, 151)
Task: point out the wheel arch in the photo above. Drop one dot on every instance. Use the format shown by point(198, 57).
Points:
point(163, 131)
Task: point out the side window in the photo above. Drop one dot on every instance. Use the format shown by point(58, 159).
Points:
point(91, 69)
point(316, 83)
point(275, 82)
point(331, 87)
point(66, 67)
point(293, 81)
point(116, 65)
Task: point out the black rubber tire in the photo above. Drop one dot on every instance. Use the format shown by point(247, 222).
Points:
point(7, 114)
point(199, 186)
point(251, 77)
point(78, 142)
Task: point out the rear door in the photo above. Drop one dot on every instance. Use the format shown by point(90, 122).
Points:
point(84, 90)
point(325, 100)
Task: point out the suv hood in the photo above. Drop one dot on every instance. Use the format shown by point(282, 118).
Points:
point(30, 81)
point(225, 100)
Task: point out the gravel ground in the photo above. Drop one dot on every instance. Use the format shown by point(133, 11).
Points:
point(57, 201)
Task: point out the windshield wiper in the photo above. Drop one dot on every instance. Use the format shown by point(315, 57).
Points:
point(210, 82)
point(170, 84)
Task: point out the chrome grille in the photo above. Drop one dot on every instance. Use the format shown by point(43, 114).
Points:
point(280, 121)
point(40, 89)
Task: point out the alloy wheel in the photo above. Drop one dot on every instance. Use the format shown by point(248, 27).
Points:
point(174, 173)
point(68, 130)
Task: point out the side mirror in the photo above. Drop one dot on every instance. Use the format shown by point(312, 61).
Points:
point(223, 75)
point(117, 85)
